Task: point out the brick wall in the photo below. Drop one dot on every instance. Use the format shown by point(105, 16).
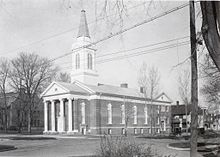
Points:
point(97, 118)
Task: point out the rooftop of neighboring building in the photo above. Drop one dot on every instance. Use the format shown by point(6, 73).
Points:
point(180, 109)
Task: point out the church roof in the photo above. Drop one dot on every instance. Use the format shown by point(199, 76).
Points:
point(83, 26)
point(114, 90)
point(104, 90)
point(73, 87)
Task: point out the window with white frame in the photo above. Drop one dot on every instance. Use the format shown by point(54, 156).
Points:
point(158, 109)
point(158, 120)
point(89, 61)
point(109, 110)
point(167, 108)
point(142, 131)
point(163, 108)
point(163, 125)
point(109, 131)
point(123, 131)
point(135, 114)
point(146, 115)
point(77, 61)
point(83, 112)
point(123, 114)
point(135, 131)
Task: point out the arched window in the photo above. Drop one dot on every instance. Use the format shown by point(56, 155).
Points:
point(135, 114)
point(123, 114)
point(146, 115)
point(109, 110)
point(89, 61)
point(83, 112)
point(77, 61)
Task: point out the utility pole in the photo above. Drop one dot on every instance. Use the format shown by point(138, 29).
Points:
point(194, 84)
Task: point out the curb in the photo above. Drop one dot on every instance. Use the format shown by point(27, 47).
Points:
point(7, 149)
point(176, 148)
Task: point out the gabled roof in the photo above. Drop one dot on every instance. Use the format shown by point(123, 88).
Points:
point(114, 90)
point(164, 94)
point(83, 26)
point(66, 87)
point(73, 87)
point(108, 90)
point(121, 91)
point(181, 109)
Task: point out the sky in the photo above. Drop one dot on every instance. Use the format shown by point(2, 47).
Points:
point(49, 28)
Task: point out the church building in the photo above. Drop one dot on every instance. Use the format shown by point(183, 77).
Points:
point(85, 106)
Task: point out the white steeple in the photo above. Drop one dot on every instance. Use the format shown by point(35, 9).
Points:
point(83, 59)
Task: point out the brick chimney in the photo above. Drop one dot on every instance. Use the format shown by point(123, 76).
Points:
point(141, 89)
point(124, 85)
point(100, 84)
point(177, 103)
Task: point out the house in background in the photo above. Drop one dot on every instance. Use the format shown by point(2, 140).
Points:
point(180, 121)
point(214, 119)
point(86, 106)
point(17, 115)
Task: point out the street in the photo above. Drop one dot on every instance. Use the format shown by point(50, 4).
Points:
point(77, 146)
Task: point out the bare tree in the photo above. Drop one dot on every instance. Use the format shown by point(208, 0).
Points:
point(184, 90)
point(4, 75)
point(211, 86)
point(127, 114)
point(31, 73)
point(149, 79)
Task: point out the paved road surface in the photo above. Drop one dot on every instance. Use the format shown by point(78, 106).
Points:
point(76, 146)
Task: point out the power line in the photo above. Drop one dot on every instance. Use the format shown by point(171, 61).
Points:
point(150, 45)
point(136, 48)
point(144, 52)
point(124, 30)
point(61, 33)
point(139, 53)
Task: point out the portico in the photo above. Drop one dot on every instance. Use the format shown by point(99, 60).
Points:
point(55, 117)
point(64, 108)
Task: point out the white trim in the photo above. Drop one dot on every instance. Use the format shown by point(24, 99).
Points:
point(132, 127)
point(164, 94)
point(71, 96)
point(127, 100)
point(51, 85)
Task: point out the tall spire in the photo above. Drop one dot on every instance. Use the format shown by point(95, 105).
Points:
point(83, 27)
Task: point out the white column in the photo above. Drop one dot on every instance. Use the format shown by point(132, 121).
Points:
point(83, 113)
point(70, 115)
point(61, 107)
point(53, 116)
point(45, 116)
point(61, 118)
point(75, 114)
point(145, 115)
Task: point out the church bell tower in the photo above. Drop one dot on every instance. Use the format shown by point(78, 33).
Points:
point(83, 59)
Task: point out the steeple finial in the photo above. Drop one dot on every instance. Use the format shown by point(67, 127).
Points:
point(83, 26)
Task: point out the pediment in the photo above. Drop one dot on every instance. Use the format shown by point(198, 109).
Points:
point(163, 97)
point(54, 89)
